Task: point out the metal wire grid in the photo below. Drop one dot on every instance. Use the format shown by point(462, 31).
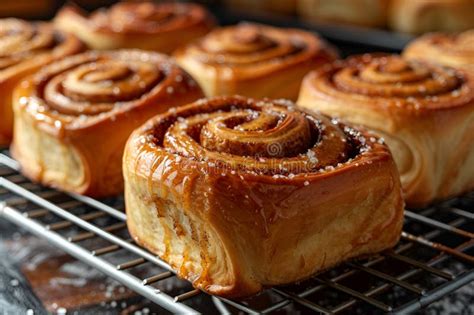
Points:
point(434, 257)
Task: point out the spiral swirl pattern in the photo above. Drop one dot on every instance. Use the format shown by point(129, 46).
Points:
point(20, 40)
point(259, 137)
point(147, 17)
point(146, 25)
point(397, 81)
point(206, 180)
point(23, 41)
point(254, 60)
point(93, 84)
point(251, 46)
point(447, 49)
point(24, 48)
point(422, 110)
point(73, 118)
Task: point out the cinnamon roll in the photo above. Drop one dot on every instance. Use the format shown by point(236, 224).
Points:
point(368, 13)
point(24, 48)
point(72, 118)
point(254, 60)
point(423, 16)
point(455, 50)
point(239, 194)
point(146, 25)
point(425, 113)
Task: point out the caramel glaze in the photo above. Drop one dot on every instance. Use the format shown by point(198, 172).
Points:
point(393, 83)
point(91, 103)
point(424, 111)
point(234, 213)
point(236, 59)
point(161, 27)
point(455, 50)
point(24, 48)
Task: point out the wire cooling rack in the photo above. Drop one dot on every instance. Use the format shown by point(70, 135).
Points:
point(434, 257)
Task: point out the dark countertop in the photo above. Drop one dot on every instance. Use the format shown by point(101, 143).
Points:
point(36, 278)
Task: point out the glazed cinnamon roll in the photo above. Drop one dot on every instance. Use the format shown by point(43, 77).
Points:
point(239, 194)
point(455, 50)
point(146, 25)
point(423, 16)
point(424, 112)
point(24, 48)
point(254, 60)
point(72, 118)
point(368, 13)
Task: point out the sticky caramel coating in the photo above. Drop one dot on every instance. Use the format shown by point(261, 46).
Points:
point(72, 119)
point(215, 191)
point(254, 60)
point(159, 27)
point(424, 111)
point(24, 48)
point(454, 50)
point(423, 16)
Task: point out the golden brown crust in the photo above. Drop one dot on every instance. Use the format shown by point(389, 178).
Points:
point(236, 196)
point(368, 13)
point(425, 113)
point(423, 16)
point(24, 48)
point(72, 119)
point(145, 25)
point(455, 50)
point(254, 60)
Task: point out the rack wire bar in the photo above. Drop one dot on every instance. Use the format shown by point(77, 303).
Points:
point(304, 302)
point(158, 277)
point(78, 252)
point(438, 293)
point(73, 222)
point(81, 223)
point(11, 163)
point(389, 278)
point(463, 213)
point(438, 224)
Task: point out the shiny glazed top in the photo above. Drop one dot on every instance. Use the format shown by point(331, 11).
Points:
point(449, 49)
point(390, 81)
point(149, 17)
point(256, 180)
point(268, 140)
point(250, 48)
point(82, 90)
point(23, 41)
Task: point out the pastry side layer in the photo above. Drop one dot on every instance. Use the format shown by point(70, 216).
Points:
point(424, 112)
point(234, 223)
